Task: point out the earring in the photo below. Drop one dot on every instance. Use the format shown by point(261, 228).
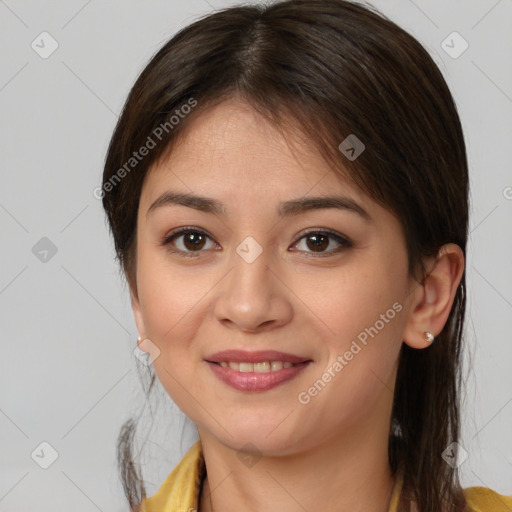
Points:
point(429, 336)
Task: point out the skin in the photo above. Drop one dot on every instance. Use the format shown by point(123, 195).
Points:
point(331, 453)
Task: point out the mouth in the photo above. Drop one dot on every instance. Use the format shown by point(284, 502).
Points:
point(262, 367)
point(256, 371)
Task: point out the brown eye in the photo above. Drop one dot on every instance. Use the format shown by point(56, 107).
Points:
point(319, 241)
point(187, 241)
point(193, 241)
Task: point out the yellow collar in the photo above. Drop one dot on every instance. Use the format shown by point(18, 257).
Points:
point(180, 490)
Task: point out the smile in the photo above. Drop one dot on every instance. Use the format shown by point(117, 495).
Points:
point(263, 367)
point(256, 377)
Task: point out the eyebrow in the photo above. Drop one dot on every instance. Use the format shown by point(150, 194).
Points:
point(285, 209)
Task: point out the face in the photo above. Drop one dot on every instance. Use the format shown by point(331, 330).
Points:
point(328, 285)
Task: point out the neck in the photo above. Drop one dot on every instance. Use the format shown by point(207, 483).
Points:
point(332, 476)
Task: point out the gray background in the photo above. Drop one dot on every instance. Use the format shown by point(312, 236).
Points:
point(68, 376)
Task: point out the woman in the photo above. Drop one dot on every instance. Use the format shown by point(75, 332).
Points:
point(287, 189)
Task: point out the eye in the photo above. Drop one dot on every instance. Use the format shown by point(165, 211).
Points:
point(320, 240)
point(187, 241)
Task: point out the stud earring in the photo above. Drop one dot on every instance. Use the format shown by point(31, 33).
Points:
point(429, 336)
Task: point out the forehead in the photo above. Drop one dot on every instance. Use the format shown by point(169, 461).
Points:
point(231, 149)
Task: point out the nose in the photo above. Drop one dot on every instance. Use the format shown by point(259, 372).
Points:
point(253, 296)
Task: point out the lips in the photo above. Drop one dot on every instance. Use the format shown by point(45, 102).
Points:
point(256, 371)
point(256, 382)
point(242, 356)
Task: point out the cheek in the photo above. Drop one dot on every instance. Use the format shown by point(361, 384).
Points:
point(171, 307)
point(170, 300)
point(349, 301)
point(362, 316)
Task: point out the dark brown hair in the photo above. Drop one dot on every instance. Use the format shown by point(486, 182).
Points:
point(331, 68)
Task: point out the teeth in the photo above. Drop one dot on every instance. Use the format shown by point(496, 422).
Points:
point(245, 367)
point(262, 367)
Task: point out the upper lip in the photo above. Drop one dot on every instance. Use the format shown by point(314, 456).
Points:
point(254, 357)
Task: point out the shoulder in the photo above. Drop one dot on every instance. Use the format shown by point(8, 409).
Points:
point(482, 499)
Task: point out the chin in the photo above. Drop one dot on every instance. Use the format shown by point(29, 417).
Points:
point(258, 438)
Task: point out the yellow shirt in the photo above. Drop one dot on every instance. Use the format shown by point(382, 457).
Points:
point(180, 490)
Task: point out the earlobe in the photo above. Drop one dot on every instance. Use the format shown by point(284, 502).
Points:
point(430, 304)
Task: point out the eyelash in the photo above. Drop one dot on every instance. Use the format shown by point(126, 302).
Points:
point(345, 243)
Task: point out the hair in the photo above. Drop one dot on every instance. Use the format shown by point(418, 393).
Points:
point(330, 68)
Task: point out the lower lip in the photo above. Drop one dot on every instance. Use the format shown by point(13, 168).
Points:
point(255, 381)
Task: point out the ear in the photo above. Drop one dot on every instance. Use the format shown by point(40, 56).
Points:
point(431, 300)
